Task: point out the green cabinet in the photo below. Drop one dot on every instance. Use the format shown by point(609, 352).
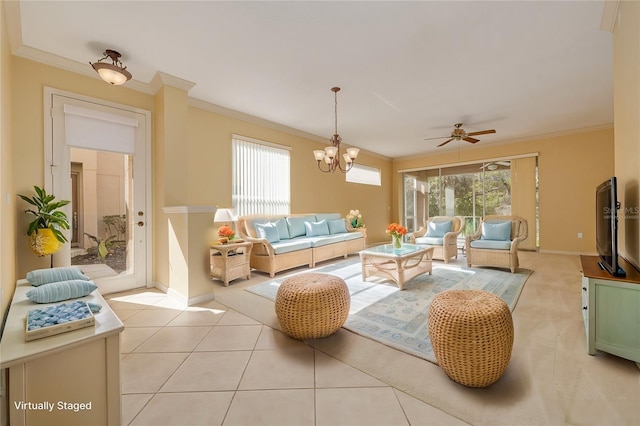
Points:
point(611, 311)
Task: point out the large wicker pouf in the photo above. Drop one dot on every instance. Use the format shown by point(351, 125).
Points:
point(312, 305)
point(471, 333)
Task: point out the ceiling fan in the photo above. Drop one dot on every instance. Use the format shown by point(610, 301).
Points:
point(494, 165)
point(459, 133)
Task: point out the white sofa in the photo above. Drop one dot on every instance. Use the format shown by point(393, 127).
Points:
point(283, 242)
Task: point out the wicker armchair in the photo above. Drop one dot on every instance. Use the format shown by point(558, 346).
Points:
point(445, 247)
point(490, 252)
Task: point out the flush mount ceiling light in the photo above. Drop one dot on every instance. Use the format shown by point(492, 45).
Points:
point(113, 73)
point(330, 156)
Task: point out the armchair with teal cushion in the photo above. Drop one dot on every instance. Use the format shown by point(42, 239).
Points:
point(441, 233)
point(495, 243)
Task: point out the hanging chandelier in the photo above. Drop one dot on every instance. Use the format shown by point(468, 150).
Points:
point(329, 159)
point(113, 73)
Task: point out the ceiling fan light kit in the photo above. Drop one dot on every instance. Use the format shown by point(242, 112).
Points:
point(330, 156)
point(459, 134)
point(113, 73)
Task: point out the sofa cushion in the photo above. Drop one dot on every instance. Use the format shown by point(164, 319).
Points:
point(325, 240)
point(287, 246)
point(283, 229)
point(491, 244)
point(434, 241)
point(252, 221)
point(337, 226)
point(268, 231)
point(296, 225)
point(314, 229)
point(498, 231)
point(348, 236)
point(327, 216)
point(438, 229)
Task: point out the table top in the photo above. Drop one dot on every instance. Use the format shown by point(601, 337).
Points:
point(230, 246)
point(591, 269)
point(14, 349)
point(388, 250)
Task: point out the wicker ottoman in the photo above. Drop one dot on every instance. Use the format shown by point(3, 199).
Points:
point(312, 305)
point(472, 335)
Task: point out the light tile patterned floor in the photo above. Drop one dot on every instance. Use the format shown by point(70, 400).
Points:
point(210, 365)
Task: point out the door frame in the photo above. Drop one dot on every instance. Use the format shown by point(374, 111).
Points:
point(59, 164)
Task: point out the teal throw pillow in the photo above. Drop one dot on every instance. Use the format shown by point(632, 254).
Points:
point(315, 229)
point(283, 230)
point(51, 275)
point(498, 231)
point(268, 231)
point(296, 225)
point(438, 229)
point(61, 290)
point(337, 226)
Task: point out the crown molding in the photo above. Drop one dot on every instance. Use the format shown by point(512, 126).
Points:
point(13, 20)
point(609, 15)
point(163, 79)
point(56, 61)
point(217, 109)
point(189, 209)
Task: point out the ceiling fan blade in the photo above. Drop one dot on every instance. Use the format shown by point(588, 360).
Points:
point(482, 132)
point(446, 142)
point(440, 137)
point(472, 140)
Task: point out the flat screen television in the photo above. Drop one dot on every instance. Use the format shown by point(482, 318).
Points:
point(607, 227)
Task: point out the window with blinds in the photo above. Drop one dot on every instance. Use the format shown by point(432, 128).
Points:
point(261, 177)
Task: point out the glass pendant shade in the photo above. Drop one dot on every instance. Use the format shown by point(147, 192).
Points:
point(113, 73)
point(331, 153)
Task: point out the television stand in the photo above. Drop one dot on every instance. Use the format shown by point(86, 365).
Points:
point(619, 273)
point(610, 309)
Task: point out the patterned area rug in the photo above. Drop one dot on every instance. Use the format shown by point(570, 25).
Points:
point(381, 312)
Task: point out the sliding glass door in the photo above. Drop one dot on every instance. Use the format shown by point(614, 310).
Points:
point(471, 191)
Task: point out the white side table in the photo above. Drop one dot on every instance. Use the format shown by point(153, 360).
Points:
point(230, 261)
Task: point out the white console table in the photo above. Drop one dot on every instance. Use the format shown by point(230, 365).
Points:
point(77, 372)
point(611, 309)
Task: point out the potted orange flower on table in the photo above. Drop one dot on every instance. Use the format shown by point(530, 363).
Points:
point(225, 233)
point(396, 231)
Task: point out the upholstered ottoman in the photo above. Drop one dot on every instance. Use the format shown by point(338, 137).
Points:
point(312, 305)
point(472, 335)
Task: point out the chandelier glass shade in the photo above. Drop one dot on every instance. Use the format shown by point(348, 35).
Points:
point(329, 159)
point(113, 73)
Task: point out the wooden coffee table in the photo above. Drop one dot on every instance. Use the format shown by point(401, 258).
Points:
point(400, 265)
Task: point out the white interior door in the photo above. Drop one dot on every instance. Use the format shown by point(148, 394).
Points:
point(108, 146)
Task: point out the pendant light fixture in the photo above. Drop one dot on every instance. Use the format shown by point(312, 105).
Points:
point(113, 73)
point(329, 158)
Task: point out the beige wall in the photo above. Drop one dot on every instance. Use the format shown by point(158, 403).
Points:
point(205, 160)
point(311, 190)
point(7, 193)
point(626, 67)
point(28, 79)
point(570, 167)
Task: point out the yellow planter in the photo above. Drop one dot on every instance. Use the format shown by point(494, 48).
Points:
point(44, 243)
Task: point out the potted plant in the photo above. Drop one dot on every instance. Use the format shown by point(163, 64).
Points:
point(45, 235)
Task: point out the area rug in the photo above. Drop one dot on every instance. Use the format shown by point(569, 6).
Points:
point(380, 311)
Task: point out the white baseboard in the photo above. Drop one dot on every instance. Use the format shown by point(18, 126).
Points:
point(571, 253)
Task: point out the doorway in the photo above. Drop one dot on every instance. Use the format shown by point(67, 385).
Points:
point(96, 148)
